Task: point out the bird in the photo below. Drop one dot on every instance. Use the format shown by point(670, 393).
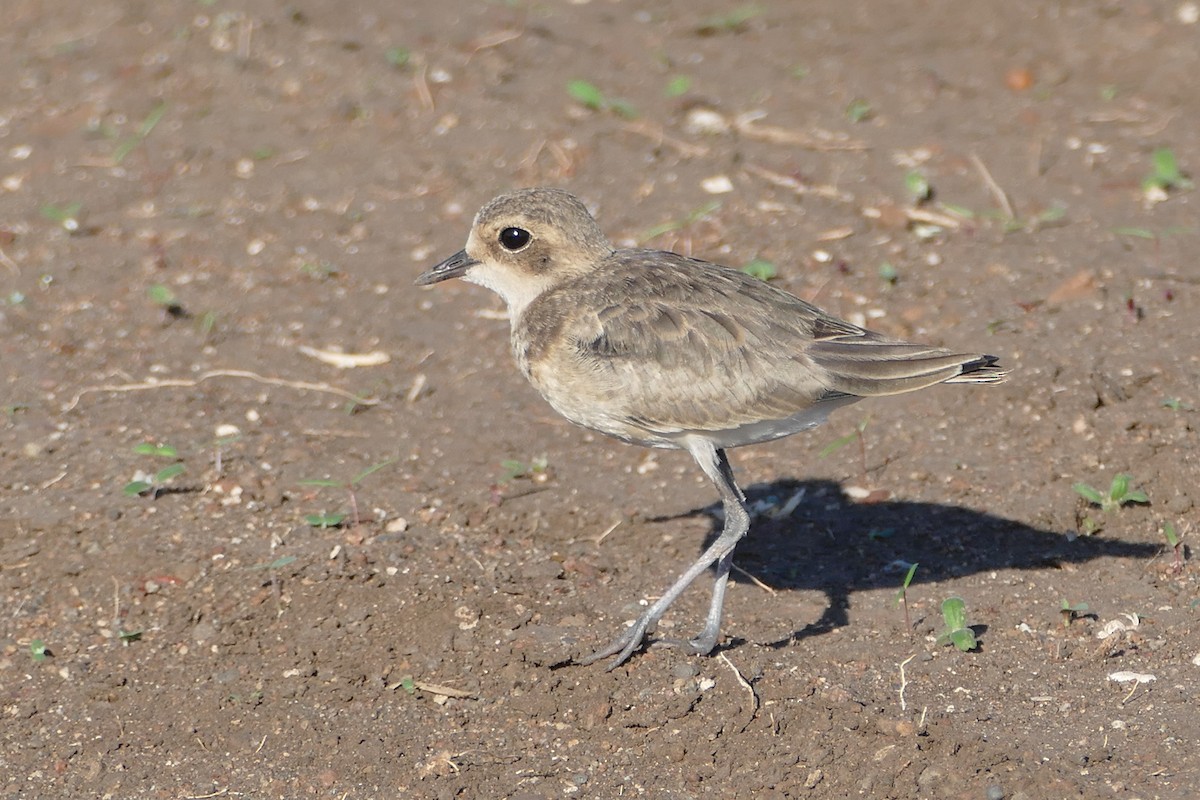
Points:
point(662, 350)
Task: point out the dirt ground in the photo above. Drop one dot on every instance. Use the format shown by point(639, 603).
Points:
point(203, 203)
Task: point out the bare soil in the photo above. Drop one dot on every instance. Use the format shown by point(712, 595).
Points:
point(196, 197)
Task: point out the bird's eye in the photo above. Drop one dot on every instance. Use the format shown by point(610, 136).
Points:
point(514, 239)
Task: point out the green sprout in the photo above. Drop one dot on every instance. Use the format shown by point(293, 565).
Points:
point(535, 469)
point(859, 111)
point(1165, 173)
point(901, 597)
point(155, 484)
point(678, 86)
point(918, 187)
point(1070, 612)
point(1175, 542)
point(129, 144)
point(1118, 494)
point(66, 216)
point(674, 225)
point(730, 22)
point(888, 272)
point(324, 520)
point(957, 633)
point(163, 297)
point(1175, 404)
point(398, 57)
point(39, 651)
point(590, 96)
point(761, 268)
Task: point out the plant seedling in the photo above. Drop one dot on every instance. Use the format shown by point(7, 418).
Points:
point(1118, 494)
point(590, 96)
point(732, 22)
point(535, 469)
point(1070, 612)
point(148, 125)
point(66, 216)
point(162, 296)
point(678, 86)
point(1175, 542)
point(842, 441)
point(918, 187)
point(859, 111)
point(398, 57)
point(39, 651)
point(957, 633)
point(901, 597)
point(324, 520)
point(1175, 404)
point(1165, 173)
point(761, 268)
point(156, 483)
point(674, 225)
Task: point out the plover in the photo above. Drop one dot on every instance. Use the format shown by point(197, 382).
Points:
point(661, 350)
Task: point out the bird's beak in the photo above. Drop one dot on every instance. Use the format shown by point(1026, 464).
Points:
point(452, 267)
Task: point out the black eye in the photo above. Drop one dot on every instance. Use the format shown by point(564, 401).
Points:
point(514, 238)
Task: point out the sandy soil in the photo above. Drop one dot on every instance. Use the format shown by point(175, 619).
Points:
point(199, 201)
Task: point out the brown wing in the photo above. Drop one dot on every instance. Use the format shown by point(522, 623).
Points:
point(682, 345)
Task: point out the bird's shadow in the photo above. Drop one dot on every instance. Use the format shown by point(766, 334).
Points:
point(834, 545)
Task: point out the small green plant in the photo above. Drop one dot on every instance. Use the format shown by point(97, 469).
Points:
point(321, 270)
point(1175, 404)
point(957, 633)
point(398, 57)
point(535, 469)
point(66, 216)
point(729, 22)
point(674, 225)
point(840, 442)
point(678, 86)
point(130, 143)
point(1118, 494)
point(163, 297)
point(1054, 214)
point(918, 187)
point(761, 268)
point(888, 272)
point(39, 651)
point(144, 484)
point(1071, 612)
point(859, 111)
point(901, 597)
point(324, 520)
point(1175, 542)
point(589, 95)
point(1165, 173)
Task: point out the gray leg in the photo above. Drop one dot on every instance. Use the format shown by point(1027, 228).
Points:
point(737, 523)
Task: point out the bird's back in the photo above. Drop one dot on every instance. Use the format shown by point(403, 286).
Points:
point(652, 346)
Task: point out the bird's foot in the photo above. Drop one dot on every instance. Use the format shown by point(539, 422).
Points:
point(623, 646)
point(628, 642)
point(700, 645)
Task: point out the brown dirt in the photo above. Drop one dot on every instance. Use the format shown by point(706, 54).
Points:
point(298, 180)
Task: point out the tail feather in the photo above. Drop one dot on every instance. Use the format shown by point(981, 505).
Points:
point(873, 368)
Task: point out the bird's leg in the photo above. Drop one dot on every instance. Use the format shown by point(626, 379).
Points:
point(737, 523)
